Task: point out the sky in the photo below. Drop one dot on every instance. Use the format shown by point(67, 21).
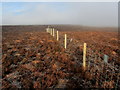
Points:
point(103, 14)
point(60, 0)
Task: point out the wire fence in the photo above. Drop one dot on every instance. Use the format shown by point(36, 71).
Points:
point(97, 62)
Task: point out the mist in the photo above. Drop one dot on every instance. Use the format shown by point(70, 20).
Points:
point(100, 14)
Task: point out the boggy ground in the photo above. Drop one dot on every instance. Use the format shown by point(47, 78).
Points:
point(34, 59)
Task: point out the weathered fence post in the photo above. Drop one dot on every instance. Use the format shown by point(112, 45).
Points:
point(53, 32)
point(57, 36)
point(65, 44)
point(48, 30)
point(84, 55)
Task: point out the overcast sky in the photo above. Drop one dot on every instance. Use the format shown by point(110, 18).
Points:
point(79, 13)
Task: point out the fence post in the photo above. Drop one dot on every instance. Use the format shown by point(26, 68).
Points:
point(65, 41)
point(53, 32)
point(57, 36)
point(48, 30)
point(84, 55)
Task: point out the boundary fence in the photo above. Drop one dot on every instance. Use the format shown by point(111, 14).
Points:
point(89, 58)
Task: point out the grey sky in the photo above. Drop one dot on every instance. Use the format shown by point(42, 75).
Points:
point(87, 13)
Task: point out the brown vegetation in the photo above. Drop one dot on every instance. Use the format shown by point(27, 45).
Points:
point(34, 59)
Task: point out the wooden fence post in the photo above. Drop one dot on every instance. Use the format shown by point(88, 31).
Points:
point(84, 55)
point(53, 32)
point(57, 36)
point(48, 30)
point(65, 44)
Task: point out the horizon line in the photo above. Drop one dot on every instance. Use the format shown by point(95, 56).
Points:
point(59, 24)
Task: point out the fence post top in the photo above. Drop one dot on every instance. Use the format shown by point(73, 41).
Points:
point(85, 43)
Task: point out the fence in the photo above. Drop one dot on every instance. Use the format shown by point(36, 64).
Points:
point(66, 38)
point(89, 57)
